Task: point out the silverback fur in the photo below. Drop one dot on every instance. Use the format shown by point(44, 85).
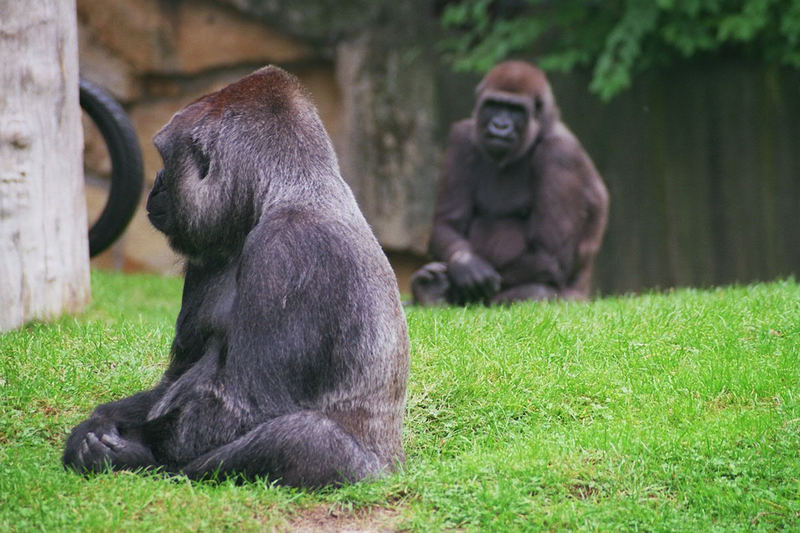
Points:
point(290, 356)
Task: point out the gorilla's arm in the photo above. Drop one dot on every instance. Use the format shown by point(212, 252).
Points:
point(116, 432)
point(592, 228)
point(589, 244)
point(454, 204)
point(472, 276)
point(132, 409)
point(580, 228)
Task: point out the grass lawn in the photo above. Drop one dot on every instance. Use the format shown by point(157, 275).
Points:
point(659, 412)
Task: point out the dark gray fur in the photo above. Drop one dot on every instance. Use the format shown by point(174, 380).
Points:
point(290, 356)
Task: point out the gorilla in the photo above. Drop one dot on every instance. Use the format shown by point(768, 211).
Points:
point(290, 355)
point(520, 210)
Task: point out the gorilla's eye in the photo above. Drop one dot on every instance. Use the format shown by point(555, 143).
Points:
point(201, 159)
point(538, 105)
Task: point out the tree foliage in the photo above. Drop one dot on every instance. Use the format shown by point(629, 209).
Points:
point(618, 39)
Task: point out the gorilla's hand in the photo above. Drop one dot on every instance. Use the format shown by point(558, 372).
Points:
point(473, 277)
point(96, 443)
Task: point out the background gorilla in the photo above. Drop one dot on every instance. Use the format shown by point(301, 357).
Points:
point(520, 210)
point(290, 355)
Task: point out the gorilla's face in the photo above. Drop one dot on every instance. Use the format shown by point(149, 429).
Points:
point(514, 107)
point(502, 127)
point(185, 164)
point(195, 200)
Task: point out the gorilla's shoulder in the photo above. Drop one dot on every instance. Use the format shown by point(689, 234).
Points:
point(461, 142)
point(294, 226)
point(462, 130)
point(289, 236)
point(561, 135)
point(560, 145)
point(560, 149)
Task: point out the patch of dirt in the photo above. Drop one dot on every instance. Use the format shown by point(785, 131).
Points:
point(323, 519)
point(583, 491)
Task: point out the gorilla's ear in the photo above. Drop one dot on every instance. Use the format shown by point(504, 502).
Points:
point(200, 158)
point(538, 105)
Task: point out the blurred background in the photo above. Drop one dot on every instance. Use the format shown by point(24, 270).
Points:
point(700, 149)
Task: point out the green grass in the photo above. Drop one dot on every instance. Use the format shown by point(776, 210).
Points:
point(660, 412)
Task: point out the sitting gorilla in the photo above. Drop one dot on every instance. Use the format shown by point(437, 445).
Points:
point(290, 355)
point(520, 210)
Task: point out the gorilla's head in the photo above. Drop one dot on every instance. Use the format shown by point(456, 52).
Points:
point(514, 107)
point(222, 152)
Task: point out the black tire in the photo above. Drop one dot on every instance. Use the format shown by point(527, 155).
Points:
point(126, 165)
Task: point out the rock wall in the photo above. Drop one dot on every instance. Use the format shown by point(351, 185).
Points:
point(702, 170)
point(374, 95)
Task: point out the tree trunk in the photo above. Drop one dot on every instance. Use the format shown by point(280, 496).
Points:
point(44, 257)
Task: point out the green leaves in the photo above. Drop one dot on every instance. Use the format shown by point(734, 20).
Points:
point(618, 39)
point(746, 24)
point(613, 68)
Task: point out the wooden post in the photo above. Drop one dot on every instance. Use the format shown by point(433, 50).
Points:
point(44, 258)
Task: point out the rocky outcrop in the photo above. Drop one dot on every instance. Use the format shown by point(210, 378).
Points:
point(370, 74)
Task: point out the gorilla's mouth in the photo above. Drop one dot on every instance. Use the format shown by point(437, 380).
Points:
point(157, 211)
point(158, 220)
point(498, 144)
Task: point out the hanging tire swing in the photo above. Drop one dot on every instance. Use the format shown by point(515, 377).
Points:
point(126, 165)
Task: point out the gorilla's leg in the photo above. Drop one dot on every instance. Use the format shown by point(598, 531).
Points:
point(523, 293)
point(430, 285)
point(305, 448)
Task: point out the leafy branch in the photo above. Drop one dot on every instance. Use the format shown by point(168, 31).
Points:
point(617, 39)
